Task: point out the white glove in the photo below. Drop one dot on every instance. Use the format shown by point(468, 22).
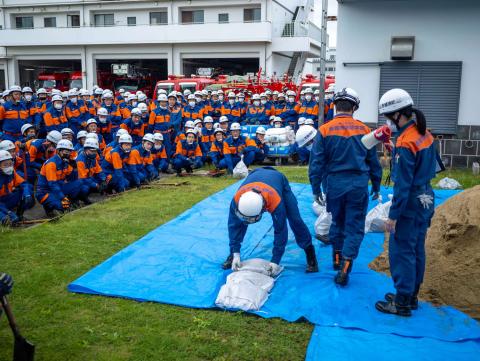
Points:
point(274, 269)
point(236, 263)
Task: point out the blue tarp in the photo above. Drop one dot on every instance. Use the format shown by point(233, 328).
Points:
point(179, 263)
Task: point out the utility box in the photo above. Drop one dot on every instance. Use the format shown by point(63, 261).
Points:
point(402, 47)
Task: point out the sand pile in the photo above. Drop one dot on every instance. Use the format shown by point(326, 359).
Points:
point(452, 274)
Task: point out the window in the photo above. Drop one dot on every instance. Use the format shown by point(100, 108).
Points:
point(131, 20)
point(104, 20)
point(159, 18)
point(222, 18)
point(73, 21)
point(192, 17)
point(50, 22)
point(251, 15)
point(24, 22)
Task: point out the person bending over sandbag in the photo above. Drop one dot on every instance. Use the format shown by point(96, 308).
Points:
point(266, 189)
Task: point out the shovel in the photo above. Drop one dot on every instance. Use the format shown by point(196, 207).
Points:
point(23, 349)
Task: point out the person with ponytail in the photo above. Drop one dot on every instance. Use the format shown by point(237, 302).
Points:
point(414, 166)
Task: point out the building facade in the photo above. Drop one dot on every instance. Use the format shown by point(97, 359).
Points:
point(167, 37)
point(431, 48)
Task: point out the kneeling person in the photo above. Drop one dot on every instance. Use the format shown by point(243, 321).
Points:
point(188, 154)
point(89, 171)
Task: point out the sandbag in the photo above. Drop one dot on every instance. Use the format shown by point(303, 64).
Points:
point(323, 222)
point(240, 171)
point(262, 266)
point(378, 215)
point(448, 183)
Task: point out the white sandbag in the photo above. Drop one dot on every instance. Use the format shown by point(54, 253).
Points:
point(262, 266)
point(240, 171)
point(448, 183)
point(317, 208)
point(323, 222)
point(377, 217)
point(256, 279)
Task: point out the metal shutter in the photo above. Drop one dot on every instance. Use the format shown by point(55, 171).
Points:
point(434, 87)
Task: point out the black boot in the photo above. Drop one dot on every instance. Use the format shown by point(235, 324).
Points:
point(390, 297)
point(312, 265)
point(341, 278)
point(337, 260)
point(228, 262)
point(324, 239)
point(399, 306)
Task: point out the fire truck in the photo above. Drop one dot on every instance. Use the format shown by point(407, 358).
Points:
point(180, 83)
point(51, 81)
point(312, 81)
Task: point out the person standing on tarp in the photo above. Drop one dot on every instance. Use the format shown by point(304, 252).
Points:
point(414, 166)
point(266, 189)
point(339, 159)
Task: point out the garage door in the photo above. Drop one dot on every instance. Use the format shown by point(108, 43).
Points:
point(434, 87)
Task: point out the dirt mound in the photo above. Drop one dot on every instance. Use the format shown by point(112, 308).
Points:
point(452, 275)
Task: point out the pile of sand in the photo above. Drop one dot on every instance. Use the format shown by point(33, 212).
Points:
point(452, 275)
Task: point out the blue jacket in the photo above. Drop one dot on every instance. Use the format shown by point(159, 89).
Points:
point(338, 150)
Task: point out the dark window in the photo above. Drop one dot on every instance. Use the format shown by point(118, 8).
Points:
point(192, 17)
point(73, 21)
point(223, 18)
point(251, 15)
point(131, 20)
point(104, 20)
point(159, 18)
point(50, 22)
point(24, 22)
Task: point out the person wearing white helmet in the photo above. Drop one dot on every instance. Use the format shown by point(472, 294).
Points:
point(40, 150)
point(75, 111)
point(215, 106)
point(13, 114)
point(28, 133)
point(55, 118)
point(132, 102)
point(140, 162)
point(120, 97)
point(175, 108)
point(89, 171)
point(160, 121)
point(304, 139)
point(114, 142)
point(68, 134)
point(188, 154)
point(16, 195)
point(238, 145)
point(243, 105)
point(224, 124)
point(329, 109)
point(308, 108)
point(114, 116)
point(220, 95)
point(217, 149)
point(231, 110)
point(267, 190)
point(192, 110)
point(144, 112)
point(142, 98)
point(413, 200)
point(97, 97)
point(261, 149)
point(81, 137)
point(135, 125)
point(56, 189)
point(27, 94)
point(277, 122)
point(114, 164)
point(10, 147)
point(256, 112)
point(159, 154)
point(206, 137)
point(339, 159)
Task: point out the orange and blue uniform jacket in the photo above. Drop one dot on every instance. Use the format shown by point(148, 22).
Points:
point(89, 171)
point(75, 115)
point(32, 110)
point(256, 115)
point(140, 164)
point(243, 108)
point(308, 110)
point(176, 116)
point(12, 117)
point(160, 158)
point(232, 112)
point(234, 148)
point(217, 153)
point(39, 153)
point(114, 116)
point(279, 201)
point(115, 167)
point(14, 192)
point(215, 109)
point(41, 108)
point(270, 109)
point(187, 153)
point(191, 113)
point(119, 100)
point(53, 175)
point(289, 114)
point(136, 130)
point(159, 121)
point(55, 119)
point(89, 109)
point(329, 110)
point(206, 140)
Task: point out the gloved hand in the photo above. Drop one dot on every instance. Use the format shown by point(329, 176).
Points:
point(236, 262)
point(274, 269)
point(65, 203)
point(389, 146)
point(6, 284)
point(319, 199)
point(383, 134)
point(374, 195)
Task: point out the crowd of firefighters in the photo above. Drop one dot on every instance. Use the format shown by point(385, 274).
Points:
point(58, 147)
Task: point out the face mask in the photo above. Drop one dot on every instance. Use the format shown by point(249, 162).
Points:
point(291, 99)
point(220, 97)
point(28, 98)
point(309, 147)
point(308, 98)
point(263, 101)
point(192, 103)
point(231, 101)
point(8, 170)
point(393, 127)
point(317, 98)
point(256, 103)
point(163, 107)
point(134, 104)
point(241, 100)
point(158, 147)
point(102, 119)
point(278, 125)
point(74, 100)
point(58, 106)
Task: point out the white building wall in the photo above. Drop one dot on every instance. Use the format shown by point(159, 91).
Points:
point(444, 30)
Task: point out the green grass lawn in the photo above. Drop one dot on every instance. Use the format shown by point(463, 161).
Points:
point(66, 326)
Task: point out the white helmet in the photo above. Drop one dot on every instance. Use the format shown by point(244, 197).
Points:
point(162, 97)
point(263, 95)
point(4, 155)
point(172, 94)
point(309, 121)
point(142, 97)
point(102, 111)
point(15, 88)
point(235, 126)
point(107, 94)
point(142, 107)
point(41, 91)
point(98, 91)
point(191, 131)
point(208, 119)
point(301, 121)
point(393, 101)
point(308, 91)
point(161, 91)
point(189, 124)
point(56, 92)
point(278, 119)
point(250, 207)
point(81, 134)
point(223, 119)
point(268, 92)
point(198, 93)
point(138, 92)
point(132, 97)
point(7, 145)
point(91, 121)
point(121, 91)
point(218, 129)
point(231, 95)
point(347, 94)
point(64, 144)
point(291, 93)
point(25, 127)
point(66, 131)
point(54, 136)
point(27, 89)
point(196, 122)
point(120, 132)
point(92, 136)
point(260, 130)
point(281, 95)
point(57, 97)
point(148, 138)
point(204, 92)
point(136, 111)
point(125, 138)
point(72, 93)
point(305, 135)
point(158, 136)
point(187, 92)
point(256, 97)
point(91, 143)
point(84, 92)
point(191, 97)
